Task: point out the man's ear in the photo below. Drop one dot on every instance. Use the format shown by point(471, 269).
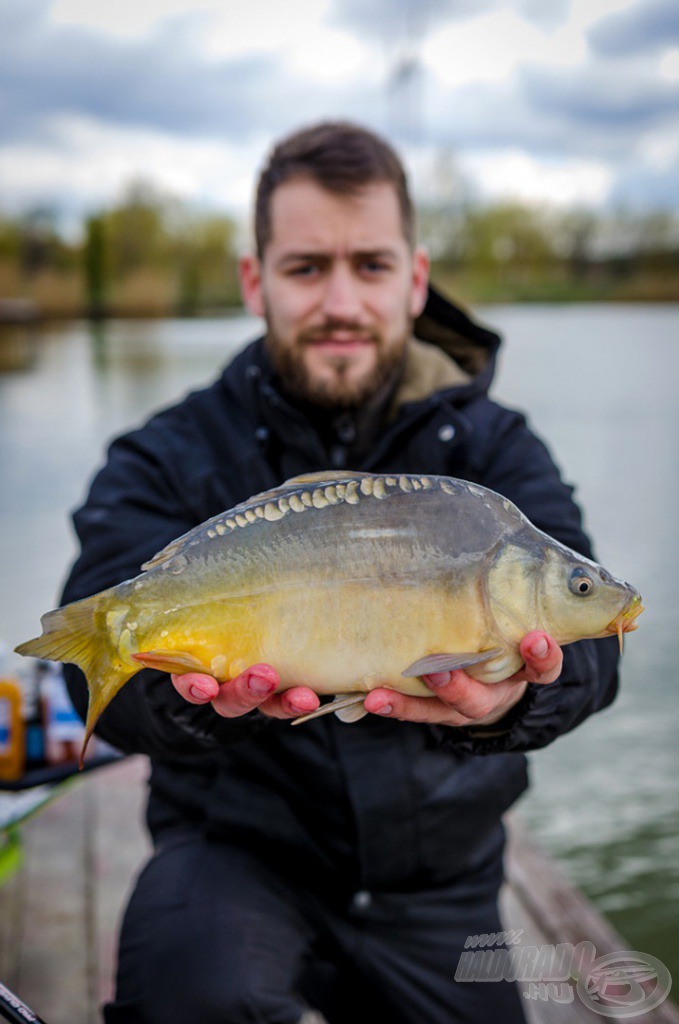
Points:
point(250, 278)
point(420, 282)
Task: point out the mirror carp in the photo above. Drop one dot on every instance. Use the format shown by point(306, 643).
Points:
point(343, 582)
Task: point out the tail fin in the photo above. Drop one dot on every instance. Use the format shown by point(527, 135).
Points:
point(70, 634)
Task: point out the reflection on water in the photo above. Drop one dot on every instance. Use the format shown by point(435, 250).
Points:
point(18, 347)
point(601, 385)
point(600, 382)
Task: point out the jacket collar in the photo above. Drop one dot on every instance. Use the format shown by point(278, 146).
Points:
point(472, 346)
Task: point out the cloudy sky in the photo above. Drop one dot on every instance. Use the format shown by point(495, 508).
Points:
point(558, 100)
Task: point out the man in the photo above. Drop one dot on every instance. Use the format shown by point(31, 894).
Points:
point(335, 866)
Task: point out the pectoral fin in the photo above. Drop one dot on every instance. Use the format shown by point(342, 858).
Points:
point(178, 662)
point(449, 662)
point(347, 706)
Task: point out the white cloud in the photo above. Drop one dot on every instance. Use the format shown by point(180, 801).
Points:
point(584, 13)
point(333, 57)
point(263, 25)
point(515, 174)
point(492, 47)
point(296, 28)
point(659, 151)
point(93, 163)
point(668, 65)
point(126, 19)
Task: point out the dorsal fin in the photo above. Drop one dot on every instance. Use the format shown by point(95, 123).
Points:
point(330, 476)
point(325, 476)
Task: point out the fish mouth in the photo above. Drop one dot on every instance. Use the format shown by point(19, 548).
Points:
point(626, 621)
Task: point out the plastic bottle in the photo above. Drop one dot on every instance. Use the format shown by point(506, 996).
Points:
point(34, 716)
point(64, 730)
point(12, 746)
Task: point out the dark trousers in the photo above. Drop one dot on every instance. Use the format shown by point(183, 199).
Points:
point(214, 935)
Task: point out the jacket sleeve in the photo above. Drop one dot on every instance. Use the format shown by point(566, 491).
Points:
point(136, 505)
point(518, 465)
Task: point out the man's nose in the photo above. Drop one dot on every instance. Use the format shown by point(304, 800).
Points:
point(341, 299)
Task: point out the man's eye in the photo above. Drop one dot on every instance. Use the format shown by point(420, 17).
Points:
point(374, 266)
point(304, 270)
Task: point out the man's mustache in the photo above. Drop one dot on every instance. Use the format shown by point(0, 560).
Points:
point(314, 334)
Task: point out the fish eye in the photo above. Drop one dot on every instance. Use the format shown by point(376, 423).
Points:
point(581, 583)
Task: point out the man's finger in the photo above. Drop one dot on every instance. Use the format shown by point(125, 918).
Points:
point(254, 688)
point(246, 692)
point(542, 656)
point(196, 687)
point(236, 697)
point(390, 704)
point(298, 700)
point(466, 695)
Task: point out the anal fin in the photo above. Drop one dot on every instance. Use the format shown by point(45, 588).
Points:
point(347, 706)
point(449, 662)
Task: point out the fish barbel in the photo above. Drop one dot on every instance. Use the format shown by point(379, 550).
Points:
point(343, 582)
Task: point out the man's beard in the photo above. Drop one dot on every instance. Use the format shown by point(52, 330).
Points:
point(340, 391)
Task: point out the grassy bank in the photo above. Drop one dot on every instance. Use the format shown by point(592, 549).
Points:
point(473, 288)
point(145, 292)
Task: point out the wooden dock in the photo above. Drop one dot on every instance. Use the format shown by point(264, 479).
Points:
point(59, 912)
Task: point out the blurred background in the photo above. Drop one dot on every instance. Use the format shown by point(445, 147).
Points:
point(541, 136)
point(543, 144)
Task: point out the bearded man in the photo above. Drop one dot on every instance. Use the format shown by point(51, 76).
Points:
point(333, 867)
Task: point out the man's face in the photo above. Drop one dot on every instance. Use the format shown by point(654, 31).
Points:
point(339, 286)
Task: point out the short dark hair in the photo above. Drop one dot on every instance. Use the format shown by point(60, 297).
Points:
point(341, 157)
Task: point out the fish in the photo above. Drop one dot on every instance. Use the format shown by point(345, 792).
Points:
point(344, 582)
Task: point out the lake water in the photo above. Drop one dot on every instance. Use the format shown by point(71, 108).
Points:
point(600, 383)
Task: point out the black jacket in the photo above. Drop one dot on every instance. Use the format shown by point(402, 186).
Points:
point(381, 804)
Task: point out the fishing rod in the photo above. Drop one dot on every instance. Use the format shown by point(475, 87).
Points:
point(15, 1010)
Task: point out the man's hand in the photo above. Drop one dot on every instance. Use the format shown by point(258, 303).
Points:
point(252, 689)
point(460, 700)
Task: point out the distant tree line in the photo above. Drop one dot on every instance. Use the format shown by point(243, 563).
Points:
point(510, 250)
point(151, 254)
